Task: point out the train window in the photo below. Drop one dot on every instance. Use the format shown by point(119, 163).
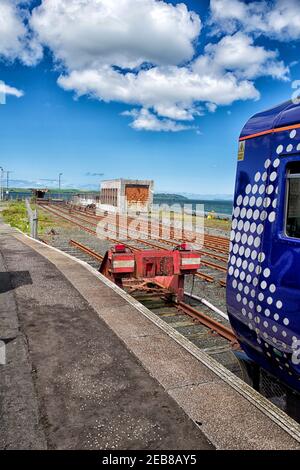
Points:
point(293, 200)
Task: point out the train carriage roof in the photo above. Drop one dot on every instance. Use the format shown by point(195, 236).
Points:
point(284, 114)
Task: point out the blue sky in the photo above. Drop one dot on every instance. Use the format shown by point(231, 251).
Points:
point(162, 97)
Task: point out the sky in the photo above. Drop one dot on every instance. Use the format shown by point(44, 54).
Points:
point(143, 89)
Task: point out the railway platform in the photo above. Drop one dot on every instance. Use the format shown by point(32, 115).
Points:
point(89, 367)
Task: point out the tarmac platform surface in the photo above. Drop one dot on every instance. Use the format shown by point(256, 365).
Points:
point(86, 370)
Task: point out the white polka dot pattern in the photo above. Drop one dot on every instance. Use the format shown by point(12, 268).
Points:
point(250, 277)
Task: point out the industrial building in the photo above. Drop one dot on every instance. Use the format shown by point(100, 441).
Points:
point(39, 193)
point(124, 195)
point(85, 199)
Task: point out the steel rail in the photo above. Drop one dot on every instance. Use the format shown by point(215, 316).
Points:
point(173, 243)
point(210, 323)
point(204, 276)
point(211, 241)
point(205, 263)
point(204, 319)
point(86, 250)
point(58, 214)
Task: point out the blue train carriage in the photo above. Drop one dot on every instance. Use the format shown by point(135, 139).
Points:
point(263, 283)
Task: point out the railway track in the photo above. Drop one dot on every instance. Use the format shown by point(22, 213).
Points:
point(194, 313)
point(81, 220)
point(82, 223)
point(214, 326)
point(87, 250)
point(216, 242)
point(213, 241)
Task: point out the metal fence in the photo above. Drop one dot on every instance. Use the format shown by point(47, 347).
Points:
point(33, 219)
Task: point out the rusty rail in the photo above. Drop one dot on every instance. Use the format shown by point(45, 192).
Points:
point(203, 276)
point(210, 323)
point(205, 320)
point(211, 241)
point(86, 250)
point(68, 217)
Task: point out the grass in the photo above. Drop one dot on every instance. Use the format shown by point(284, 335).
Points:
point(214, 223)
point(218, 223)
point(15, 214)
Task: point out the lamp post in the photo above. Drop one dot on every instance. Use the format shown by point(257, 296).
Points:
point(1, 183)
point(59, 180)
point(7, 183)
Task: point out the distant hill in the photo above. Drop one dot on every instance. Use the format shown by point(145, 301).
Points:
point(53, 190)
point(200, 197)
point(168, 197)
point(209, 197)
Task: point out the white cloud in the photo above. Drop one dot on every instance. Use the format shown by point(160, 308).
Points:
point(279, 19)
point(16, 40)
point(284, 20)
point(212, 107)
point(103, 47)
point(142, 52)
point(124, 33)
point(171, 92)
point(12, 30)
point(238, 54)
point(9, 90)
point(144, 120)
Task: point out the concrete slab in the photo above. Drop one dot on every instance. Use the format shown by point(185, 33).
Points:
point(172, 366)
point(126, 321)
point(210, 404)
point(20, 425)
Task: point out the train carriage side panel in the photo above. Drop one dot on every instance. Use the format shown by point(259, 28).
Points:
point(263, 285)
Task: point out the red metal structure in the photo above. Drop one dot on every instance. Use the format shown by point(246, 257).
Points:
point(165, 268)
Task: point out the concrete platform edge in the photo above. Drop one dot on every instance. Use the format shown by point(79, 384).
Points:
point(277, 416)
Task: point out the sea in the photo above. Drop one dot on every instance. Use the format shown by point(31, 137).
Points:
point(221, 208)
